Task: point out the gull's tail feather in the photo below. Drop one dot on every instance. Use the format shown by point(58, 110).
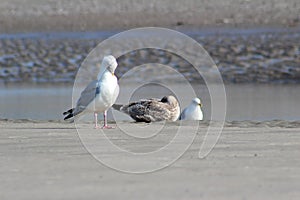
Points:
point(121, 108)
point(118, 107)
point(69, 113)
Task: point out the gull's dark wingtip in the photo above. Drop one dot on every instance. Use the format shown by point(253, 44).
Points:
point(69, 113)
point(69, 116)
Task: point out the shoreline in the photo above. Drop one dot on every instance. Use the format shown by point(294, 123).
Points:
point(276, 123)
point(207, 31)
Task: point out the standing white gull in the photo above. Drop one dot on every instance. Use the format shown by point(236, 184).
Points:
point(151, 110)
point(100, 94)
point(193, 111)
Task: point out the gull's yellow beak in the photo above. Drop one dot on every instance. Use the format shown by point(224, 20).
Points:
point(113, 73)
point(200, 104)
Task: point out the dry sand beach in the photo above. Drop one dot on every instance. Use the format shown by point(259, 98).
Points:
point(253, 42)
point(46, 160)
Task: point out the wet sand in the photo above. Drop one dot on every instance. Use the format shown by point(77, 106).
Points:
point(46, 160)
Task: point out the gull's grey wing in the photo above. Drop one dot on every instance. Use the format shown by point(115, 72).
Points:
point(182, 115)
point(87, 96)
point(116, 93)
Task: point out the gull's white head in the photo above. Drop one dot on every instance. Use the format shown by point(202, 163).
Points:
point(109, 63)
point(197, 102)
point(171, 100)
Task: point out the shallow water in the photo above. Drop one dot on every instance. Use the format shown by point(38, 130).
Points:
point(189, 31)
point(244, 102)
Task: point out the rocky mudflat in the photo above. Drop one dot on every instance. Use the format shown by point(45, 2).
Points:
point(242, 57)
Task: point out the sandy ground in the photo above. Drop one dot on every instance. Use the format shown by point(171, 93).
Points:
point(77, 15)
point(46, 160)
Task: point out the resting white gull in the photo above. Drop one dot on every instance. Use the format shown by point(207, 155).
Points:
point(151, 110)
point(193, 111)
point(100, 94)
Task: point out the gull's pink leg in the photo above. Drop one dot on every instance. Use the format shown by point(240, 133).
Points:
point(96, 120)
point(105, 126)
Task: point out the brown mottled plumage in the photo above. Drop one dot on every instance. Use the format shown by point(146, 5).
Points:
point(151, 110)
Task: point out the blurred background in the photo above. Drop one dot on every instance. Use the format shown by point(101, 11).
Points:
point(255, 44)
